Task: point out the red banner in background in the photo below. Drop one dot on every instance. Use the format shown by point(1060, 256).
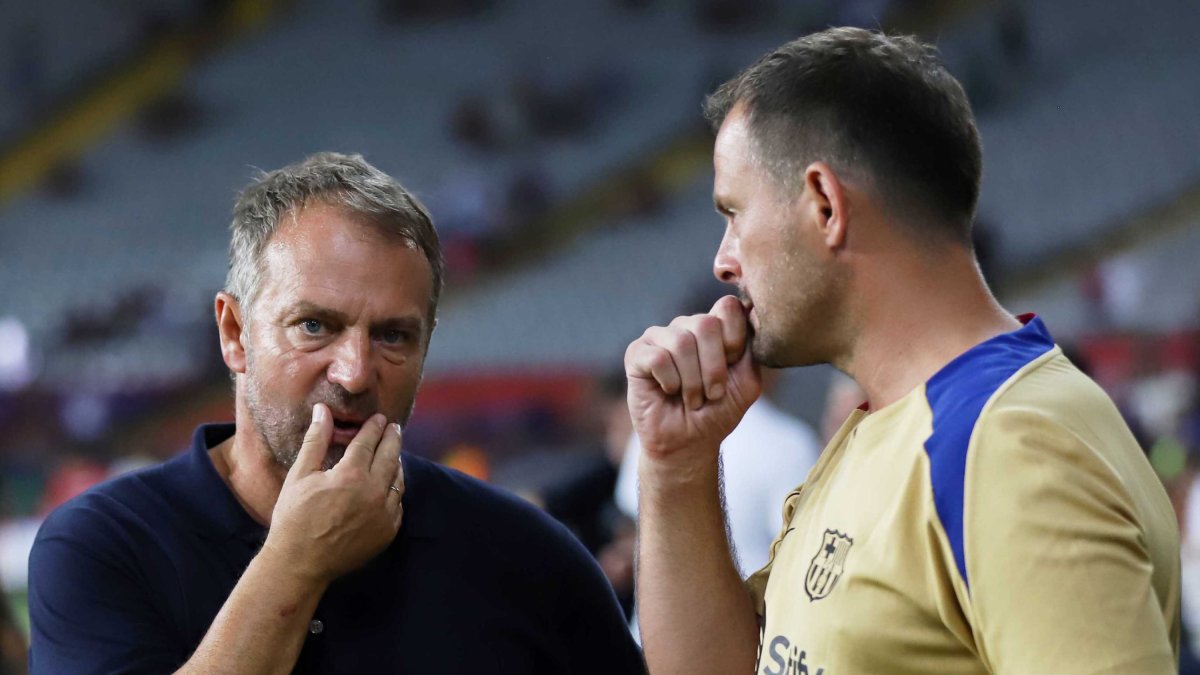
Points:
point(559, 391)
point(1115, 358)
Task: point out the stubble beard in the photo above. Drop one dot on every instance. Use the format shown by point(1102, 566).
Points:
point(766, 347)
point(800, 334)
point(282, 430)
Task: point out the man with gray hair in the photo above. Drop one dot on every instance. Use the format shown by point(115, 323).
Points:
point(301, 539)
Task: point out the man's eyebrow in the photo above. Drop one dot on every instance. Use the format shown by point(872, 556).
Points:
point(311, 309)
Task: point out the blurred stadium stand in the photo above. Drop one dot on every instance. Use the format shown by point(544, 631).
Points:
point(55, 48)
point(560, 148)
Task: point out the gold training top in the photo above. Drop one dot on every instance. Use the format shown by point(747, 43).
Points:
point(999, 518)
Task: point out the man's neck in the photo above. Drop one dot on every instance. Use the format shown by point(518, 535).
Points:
point(252, 475)
point(912, 330)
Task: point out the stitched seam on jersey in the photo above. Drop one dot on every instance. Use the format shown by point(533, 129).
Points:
point(1000, 392)
point(957, 396)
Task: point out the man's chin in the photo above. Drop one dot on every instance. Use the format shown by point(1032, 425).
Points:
point(767, 361)
point(769, 354)
point(763, 352)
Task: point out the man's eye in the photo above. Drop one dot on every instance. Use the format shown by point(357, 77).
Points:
point(395, 337)
point(311, 326)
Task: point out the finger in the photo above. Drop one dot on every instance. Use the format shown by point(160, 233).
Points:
point(398, 493)
point(387, 455)
point(644, 360)
point(362, 449)
point(313, 449)
point(398, 479)
point(681, 344)
point(734, 326)
point(395, 495)
point(710, 351)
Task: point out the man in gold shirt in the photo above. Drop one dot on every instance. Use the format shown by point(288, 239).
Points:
point(987, 510)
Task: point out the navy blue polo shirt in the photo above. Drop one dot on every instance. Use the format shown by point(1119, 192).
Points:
point(127, 578)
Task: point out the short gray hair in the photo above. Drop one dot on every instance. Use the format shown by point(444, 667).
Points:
point(347, 182)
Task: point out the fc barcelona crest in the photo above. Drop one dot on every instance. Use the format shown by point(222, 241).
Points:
point(827, 564)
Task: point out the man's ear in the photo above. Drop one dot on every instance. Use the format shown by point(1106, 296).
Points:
point(830, 207)
point(229, 328)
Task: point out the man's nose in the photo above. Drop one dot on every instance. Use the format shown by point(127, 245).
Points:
point(726, 267)
point(351, 366)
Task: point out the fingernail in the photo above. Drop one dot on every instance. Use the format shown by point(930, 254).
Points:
point(379, 419)
point(716, 392)
point(399, 429)
point(318, 413)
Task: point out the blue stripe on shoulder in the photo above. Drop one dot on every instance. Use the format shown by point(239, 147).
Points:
point(956, 396)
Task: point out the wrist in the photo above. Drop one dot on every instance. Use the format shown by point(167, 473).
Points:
point(283, 562)
point(680, 470)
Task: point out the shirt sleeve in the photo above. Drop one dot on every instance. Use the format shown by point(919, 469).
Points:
point(1059, 576)
point(88, 613)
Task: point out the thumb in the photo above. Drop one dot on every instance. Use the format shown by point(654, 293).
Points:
point(316, 442)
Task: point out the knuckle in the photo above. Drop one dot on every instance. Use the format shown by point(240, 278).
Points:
point(644, 344)
point(682, 342)
point(658, 360)
point(634, 350)
point(651, 333)
point(679, 321)
point(708, 324)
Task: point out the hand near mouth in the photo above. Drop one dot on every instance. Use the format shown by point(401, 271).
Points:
point(691, 382)
point(329, 522)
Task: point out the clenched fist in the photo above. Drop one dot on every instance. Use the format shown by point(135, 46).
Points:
point(691, 382)
point(327, 523)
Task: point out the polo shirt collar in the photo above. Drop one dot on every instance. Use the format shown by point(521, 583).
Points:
point(216, 513)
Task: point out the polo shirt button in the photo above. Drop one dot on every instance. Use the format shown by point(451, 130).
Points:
point(316, 627)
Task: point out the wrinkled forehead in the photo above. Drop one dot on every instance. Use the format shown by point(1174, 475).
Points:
point(336, 259)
